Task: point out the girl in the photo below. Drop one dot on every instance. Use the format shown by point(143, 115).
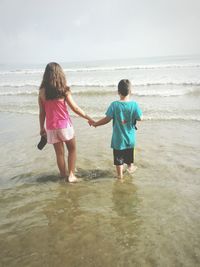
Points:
point(53, 96)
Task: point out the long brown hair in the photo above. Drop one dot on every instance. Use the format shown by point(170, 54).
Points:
point(54, 82)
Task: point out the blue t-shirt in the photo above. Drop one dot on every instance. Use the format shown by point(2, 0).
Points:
point(124, 115)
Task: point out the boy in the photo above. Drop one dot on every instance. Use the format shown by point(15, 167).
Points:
point(124, 114)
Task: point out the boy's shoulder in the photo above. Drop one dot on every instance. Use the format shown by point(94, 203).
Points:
point(117, 104)
point(112, 104)
point(130, 102)
point(133, 102)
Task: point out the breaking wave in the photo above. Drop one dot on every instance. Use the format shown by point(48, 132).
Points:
point(108, 68)
point(96, 91)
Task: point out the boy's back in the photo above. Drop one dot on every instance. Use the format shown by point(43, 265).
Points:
point(124, 115)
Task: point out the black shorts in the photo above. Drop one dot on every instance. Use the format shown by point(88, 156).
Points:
point(123, 156)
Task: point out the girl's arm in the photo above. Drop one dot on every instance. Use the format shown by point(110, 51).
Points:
point(42, 115)
point(74, 107)
point(102, 121)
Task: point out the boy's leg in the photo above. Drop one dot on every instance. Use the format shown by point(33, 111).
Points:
point(118, 162)
point(119, 169)
point(131, 168)
point(60, 156)
point(71, 147)
point(130, 156)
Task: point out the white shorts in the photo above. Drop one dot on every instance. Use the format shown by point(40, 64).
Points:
point(60, 135)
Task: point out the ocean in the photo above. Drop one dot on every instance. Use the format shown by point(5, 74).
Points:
point(151, 218)
point(167, 88)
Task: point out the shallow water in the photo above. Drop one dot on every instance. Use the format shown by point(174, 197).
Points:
point(151, 219)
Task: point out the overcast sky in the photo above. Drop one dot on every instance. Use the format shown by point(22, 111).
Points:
point(37, 31)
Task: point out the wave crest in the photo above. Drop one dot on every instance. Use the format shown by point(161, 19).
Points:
point(159, 92)
point(108, 68)
point(35, 84)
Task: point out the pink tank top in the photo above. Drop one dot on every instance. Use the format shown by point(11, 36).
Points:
point(57, 115)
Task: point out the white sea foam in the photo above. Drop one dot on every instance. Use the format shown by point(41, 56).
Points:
point(135, 83)
point(19, 84)
point(155, 117)
point(84, 84)
point(133, 67)
point(18, 93)
point(22, 71)
point(170, 118)
point(138, 91)
point(108, 68)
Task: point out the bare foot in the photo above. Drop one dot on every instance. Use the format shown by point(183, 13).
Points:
point(132, 169)
point(72, 179)
point(119, 177)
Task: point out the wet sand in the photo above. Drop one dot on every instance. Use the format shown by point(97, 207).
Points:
point(151, 219)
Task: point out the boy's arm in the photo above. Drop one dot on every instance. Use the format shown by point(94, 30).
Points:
point(140, 118)
point(102, 121)
point(138, 113)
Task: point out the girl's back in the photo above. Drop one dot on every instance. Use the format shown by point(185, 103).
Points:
point(57, 115)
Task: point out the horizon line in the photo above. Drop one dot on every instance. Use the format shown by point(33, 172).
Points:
point(99, 60)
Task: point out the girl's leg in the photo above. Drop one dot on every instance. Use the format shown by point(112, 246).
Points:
point(60, 156)
point(119, 169)
point(71, 147)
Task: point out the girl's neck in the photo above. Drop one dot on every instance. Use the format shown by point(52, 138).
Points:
point(124, 98)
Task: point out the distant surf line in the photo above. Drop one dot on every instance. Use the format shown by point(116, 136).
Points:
point(35, 84)
point(109, 68)
point(159, 92)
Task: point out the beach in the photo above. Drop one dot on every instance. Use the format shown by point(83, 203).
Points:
point(151, 218)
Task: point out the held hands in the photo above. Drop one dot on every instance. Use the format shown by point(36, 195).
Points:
point(92, 123)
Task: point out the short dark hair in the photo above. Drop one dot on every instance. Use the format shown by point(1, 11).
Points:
point(124, 87)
